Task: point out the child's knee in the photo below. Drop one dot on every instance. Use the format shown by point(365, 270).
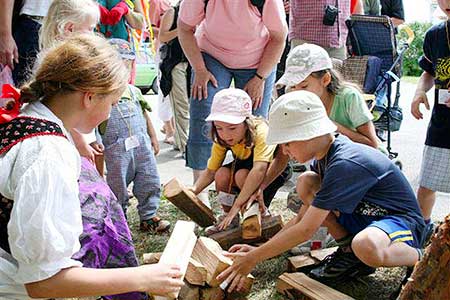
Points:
point(222, 178)
point(369, 249)
point(307, 185)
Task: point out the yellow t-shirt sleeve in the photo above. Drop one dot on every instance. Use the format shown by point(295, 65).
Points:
point(262, 151)
point(217, 157)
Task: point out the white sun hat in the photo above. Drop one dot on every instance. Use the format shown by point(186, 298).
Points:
point(298, 116)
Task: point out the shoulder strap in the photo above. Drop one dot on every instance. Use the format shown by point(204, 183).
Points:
point(258, 3)
point(22, 128)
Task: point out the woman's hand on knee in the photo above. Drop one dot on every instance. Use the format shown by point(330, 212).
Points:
point(200, 86)
point(255, 89)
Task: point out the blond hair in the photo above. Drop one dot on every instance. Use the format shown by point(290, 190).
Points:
point(81, 63)
point(62, 12)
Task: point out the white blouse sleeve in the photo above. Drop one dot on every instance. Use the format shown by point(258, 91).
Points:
point(45, 222)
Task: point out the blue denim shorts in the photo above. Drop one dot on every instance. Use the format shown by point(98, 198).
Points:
point(198, 148)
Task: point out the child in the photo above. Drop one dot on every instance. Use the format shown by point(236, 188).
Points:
point(75, 86)
point(309, 67)
point(128, 152)
point(435, 170)
point(356, 191)
point(64, 18)
point(234, 128)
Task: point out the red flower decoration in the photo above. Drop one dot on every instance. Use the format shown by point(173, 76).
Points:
point(12, 104)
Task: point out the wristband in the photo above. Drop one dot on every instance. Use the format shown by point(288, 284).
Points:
point(259, 76)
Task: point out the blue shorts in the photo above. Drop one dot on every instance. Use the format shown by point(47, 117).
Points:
point(398, 228)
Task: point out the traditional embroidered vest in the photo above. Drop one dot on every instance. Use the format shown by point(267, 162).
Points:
point(12, 133)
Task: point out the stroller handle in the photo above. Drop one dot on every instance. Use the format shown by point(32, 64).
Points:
point(408, 32)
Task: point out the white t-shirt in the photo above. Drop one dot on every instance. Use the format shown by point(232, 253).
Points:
point(35, 7)
point(40, 174)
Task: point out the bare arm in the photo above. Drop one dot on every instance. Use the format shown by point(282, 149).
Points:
point(426, 82)
point(84, 282)
point(8, 49)
point(276, 167)
point(165, 34)
point(205, 179)
point(151, 132)
point(397, 21)
point(136, 18)
point(364, 134)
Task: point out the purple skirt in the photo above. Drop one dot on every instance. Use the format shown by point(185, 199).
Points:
point(106, 239)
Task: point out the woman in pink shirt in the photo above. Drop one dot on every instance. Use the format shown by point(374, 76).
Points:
point(228, 40)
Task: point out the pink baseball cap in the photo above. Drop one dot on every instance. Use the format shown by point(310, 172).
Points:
point(230, 106)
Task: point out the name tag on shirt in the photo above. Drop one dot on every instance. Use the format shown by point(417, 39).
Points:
point(226, 199)
point(131, 143)
point(444, 96)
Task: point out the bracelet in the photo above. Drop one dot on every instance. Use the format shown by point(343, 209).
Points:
point(259, 76)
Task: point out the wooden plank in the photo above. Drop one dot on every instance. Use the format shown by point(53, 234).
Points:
point(209, 253)
point(178, 250)
point(188, 203)
point(322, 253)
point(151, 258)
point(300, 286)
point(189, 292)
point(295, 263)
point(251, 223)
point(195, 273)
point(270, 226)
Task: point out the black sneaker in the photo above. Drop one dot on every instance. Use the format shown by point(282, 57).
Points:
point(340, 266)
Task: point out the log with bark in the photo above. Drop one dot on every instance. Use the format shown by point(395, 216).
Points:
point(430, 279)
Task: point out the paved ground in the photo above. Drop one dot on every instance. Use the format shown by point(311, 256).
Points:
point(408, 142)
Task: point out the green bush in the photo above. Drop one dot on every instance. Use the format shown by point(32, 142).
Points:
point(415, 51)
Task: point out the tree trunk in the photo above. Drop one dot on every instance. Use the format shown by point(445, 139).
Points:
point(431, 277)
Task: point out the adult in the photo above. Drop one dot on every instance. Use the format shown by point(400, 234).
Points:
point(394, 10)
point(19, 44)
point(306, 25)
point(174, 76)
point(235, 40)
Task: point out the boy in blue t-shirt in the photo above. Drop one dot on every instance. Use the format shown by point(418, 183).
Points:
point(435, 170)
point(354, 190)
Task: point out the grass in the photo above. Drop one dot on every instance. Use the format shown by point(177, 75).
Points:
point(373, 287)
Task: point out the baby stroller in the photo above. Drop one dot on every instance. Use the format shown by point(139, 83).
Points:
point(374, 36)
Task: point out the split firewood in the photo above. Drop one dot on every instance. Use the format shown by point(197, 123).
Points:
point(189, 203)
point(251, 222)
point(178, 250)
point(270, 226)
point(300, 286)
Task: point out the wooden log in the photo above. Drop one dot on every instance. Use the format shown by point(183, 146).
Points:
point(189, 292)
point(251, 223)
point(178, 250)
point(299, 286)
point(195, 273)
point(270, 227)
point(431, 276)
point(188, 203)
point(212, 293)
point(209, 253)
